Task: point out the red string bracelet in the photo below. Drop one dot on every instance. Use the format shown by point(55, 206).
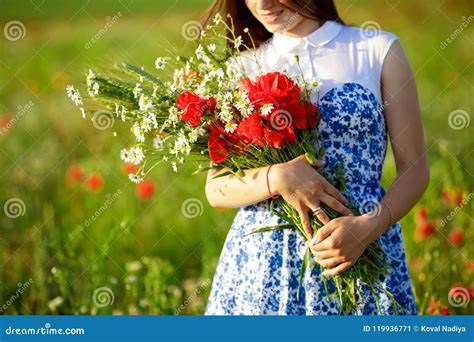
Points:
point(268, 184)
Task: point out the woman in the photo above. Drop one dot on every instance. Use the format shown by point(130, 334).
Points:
point(360, 70)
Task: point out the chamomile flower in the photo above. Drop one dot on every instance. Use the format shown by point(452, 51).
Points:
point(317, 84)
point(267, 109)
point(238, 42)
point(212, 47)
point(138, 132)
point(145, 103)
point(160, 63)
point(135, 178)
point(133, 155)
point(230, 127)
point(137, 90)
point(74, 95)
point(217, 19)
point(93, 90)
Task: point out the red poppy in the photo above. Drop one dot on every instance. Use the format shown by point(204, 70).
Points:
point(470, 265)
point(446, 196)
point(75, 174)
point(250, 130)
point(422, 214)
point(459, 198)
point(456, 237)
point(129, 168)
point(217, 145)
point(94, 182)
point(313, 114)
point(145, 190)
point(194, 107)
point(424, 230)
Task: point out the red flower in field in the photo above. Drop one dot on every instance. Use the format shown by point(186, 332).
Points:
point(75, 174)
point(422, 214)
point(446, 196)
point(194, 107)
point(129, 168)
point(459, 198)
point(94, 182)
point(250, 130)
point(456, 237)
point(443, 311)
point(424, 230)
point(436, 308)
point(470, 265)
point(5, 122)
point(217, 145)
point(145, 190)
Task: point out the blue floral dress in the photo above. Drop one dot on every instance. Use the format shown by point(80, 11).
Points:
point(258, 274)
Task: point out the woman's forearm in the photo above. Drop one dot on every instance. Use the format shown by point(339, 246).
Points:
point(233, 192)
point(405, 191)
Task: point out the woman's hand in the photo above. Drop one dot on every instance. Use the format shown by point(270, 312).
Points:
point(339, 244)
point(305, 189)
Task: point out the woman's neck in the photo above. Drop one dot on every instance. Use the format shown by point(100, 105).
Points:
point(303, 29)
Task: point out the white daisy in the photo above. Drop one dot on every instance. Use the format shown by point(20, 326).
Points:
point(267, 109)
point(160, 63)
point(74, 95)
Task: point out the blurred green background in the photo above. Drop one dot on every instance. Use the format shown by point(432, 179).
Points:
point(76, 237)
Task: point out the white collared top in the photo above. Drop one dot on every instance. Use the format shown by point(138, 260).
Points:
point(333, 53)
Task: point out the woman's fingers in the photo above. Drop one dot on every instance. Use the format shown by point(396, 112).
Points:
point(338, 269)
point(304, 217)
point(331, 262)
point(319, 212)
point(327, 254)
point(332, 191)
point(335, 204)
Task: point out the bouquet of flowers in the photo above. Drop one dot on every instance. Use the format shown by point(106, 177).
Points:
point(211, 113)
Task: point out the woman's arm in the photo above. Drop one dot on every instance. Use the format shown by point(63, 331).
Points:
point(296, 181)
point(341, 242)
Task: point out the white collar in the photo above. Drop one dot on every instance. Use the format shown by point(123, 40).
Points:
point(319, 37)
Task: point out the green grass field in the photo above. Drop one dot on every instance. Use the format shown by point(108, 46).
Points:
point(146, 255)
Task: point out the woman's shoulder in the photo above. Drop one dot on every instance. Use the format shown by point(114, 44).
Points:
point(371, 37)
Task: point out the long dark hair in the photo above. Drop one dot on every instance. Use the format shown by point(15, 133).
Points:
point(321, 10)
